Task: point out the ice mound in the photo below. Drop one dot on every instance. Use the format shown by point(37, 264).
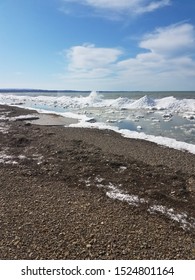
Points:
point(166, 103)
point(121, 102)
point(175, 105)
point(144, 102)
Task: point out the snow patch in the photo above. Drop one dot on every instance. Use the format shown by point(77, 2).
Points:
point(9, 159)
point(115, 193)
point(38, 158)
point(6, 159)
point(181, 218)
point(23, 118)
point(122, 169)
point(4, 128)
point(165, 141)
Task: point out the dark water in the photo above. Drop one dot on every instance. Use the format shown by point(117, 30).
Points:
point(106, 94)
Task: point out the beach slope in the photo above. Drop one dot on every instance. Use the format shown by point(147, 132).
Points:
point(75, 193)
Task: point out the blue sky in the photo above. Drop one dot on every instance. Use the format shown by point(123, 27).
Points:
point(97, 44)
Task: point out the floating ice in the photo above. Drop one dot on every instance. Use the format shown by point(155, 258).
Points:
point(167, 115)
point(97, 111)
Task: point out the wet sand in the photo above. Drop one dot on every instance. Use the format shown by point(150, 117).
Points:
point(73, 193)
point(52, 119)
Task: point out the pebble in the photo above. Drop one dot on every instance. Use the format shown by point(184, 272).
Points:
point(51, 224)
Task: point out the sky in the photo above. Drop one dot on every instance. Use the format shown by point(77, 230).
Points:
point(133, 45)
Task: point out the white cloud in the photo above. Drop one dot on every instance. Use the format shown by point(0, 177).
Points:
point(130, 7)
point(170, 39)
point(152, 6)
point(89, 57)
point(113, 4)
point(166, 63)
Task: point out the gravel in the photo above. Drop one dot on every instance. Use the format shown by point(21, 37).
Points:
point(54, 201)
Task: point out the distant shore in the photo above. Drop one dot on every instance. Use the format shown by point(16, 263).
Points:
point(75, 193)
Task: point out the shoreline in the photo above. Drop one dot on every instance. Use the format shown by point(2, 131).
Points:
point(53, 120)
point(170, 116)
point(78, 193)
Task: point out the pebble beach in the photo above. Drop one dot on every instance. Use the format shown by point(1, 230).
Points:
point(80, 193)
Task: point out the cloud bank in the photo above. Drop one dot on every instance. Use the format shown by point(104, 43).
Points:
point(166, 59)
